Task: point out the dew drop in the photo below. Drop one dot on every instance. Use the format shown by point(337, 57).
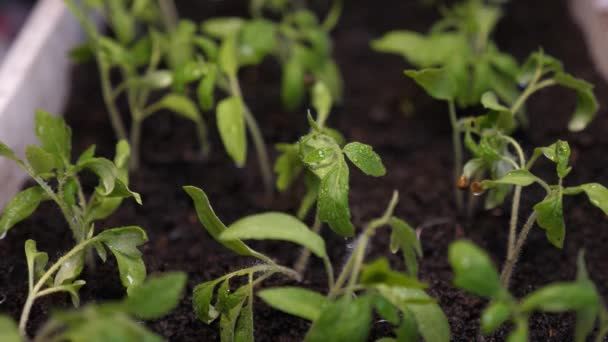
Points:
point(130, 279)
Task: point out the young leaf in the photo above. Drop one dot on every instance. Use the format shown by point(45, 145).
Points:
point(157, 296)
point(585, 317)
point(288, 165)
point(36, 261)
point(436, 82)
point(72, 289)
point(346, 320)
point(292, 84)
point(69, 270)
point(222, 27)
point(379, 272)
point(295, 301)
point(231, 125)
point(123, 243)
point(551, 218)
point(519, 177)
point(275, 226)
point(227, 56)
point(180, 105)
point(490, 101)
point(257, 39)
point(201, 301)
point(364, 157)
point(214, 225)
point(597, 193)
point(586, 103)
point(495, 315)
point(559, 297)
point(421, 51)
point(8, 330)
point(204, 91)
point(244, 325)
point(473, 269)
point(105, 170)
point(55, 136)
point(21, 207)
point(332, 205)
point(403, 237)
point(321, 100)
point(41, 161)
point(431, 321)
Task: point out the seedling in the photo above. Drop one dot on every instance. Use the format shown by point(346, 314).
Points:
point(299, 42)
point(475, 272)
point(338, 316)
point(111, 321)
point(138, 60)
point(321, 155)
point(57, 178)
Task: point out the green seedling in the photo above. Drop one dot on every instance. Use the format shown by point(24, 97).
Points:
point(138, 61)
point(298, 41)
point(111, 321)
point(57, 180)
point(475, 273)
point(345, 312)
point(321, 156)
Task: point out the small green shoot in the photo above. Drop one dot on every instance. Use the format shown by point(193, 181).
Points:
point(475, 272)
point(337, 316)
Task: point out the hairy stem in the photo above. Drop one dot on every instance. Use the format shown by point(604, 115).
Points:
point(514, 218)
point(108, 98)
point(507, 271)
point(302, 262)
point(457, 146)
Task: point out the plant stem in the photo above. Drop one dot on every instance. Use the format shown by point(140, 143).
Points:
point(256, 136)
point(135, 141)
point(507, 271)
point(457, 146)
point(168, 13)
point(33, 294)
point(108, 98)
point(302, 261)
point(514, 218)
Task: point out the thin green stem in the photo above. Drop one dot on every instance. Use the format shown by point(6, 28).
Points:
point(514, 218)
point(256, 136)
point(507, 271)
point(333, 16)
point(108, 97)
point(135, 140)
point(302, 262)
point(33, 294)
point(458, 154)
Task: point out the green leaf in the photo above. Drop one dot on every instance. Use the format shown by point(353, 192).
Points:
point(121, 21)
point(21, 207)
point(70, 270)
point(292, 84)
point(72, 289)
point(332, 203)
point(231, 125)
point(257, 38)
point(495, 315)
point(380, 272)
point(123, 243)
point(551, 218)
point(7, 152)
point(597, 193)
point(520, 334)
point(364, 157)
point(586, 102)
point(295, 301)
point(329, 73)
point(490, 101)
point(585, 317)
point(346, 320)
point(36, 261)
point(321, 100)
point(537, 60)
point(227, 56)
point(431, 321)
point(404, 238)
point(180, 105)
point(436, 82)
point(560, 297)
point(222, 27)
point(287, 166)
point(157, 296)
point(55, 136)
point(519, 177)
point(158, 79)
point(214, 225)
point(105, 170)
point(244, 325)
point(204, 91)
point(473, 269)
point(201, 301)
point(89, 153)
point(41, 161)
point(275, 226)
point(8, 330)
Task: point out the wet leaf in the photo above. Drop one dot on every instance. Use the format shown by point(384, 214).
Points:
point(364, 157)
point(586, 102)
point(332, 203)
point(403, 237)
point(473, 269)
point(551, 218)
point(519, 177)
point(597, 194)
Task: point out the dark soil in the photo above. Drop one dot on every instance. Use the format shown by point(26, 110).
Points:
point(414, 143)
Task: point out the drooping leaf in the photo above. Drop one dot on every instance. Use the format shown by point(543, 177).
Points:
point(586, 103)
point(380, 272)
point(21, 207)
point(346, 320)
point(430, 319)
point(123, 243)
point(275, 226)
point(157, 296)
point(597, 194)
point(551, 218)
point(332, 204)
point(436, 82)
point(403, 237)
point(364, 157)
point(295, 301)
point(244, 330)
point(519, 177)
point(490, 101)
point(201, 301)
point(473, 269)
point(560, 297)
point(105, 170)
point(214, 225)
point(231, 125)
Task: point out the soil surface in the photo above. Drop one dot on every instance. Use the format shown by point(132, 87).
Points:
point(414, 142)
